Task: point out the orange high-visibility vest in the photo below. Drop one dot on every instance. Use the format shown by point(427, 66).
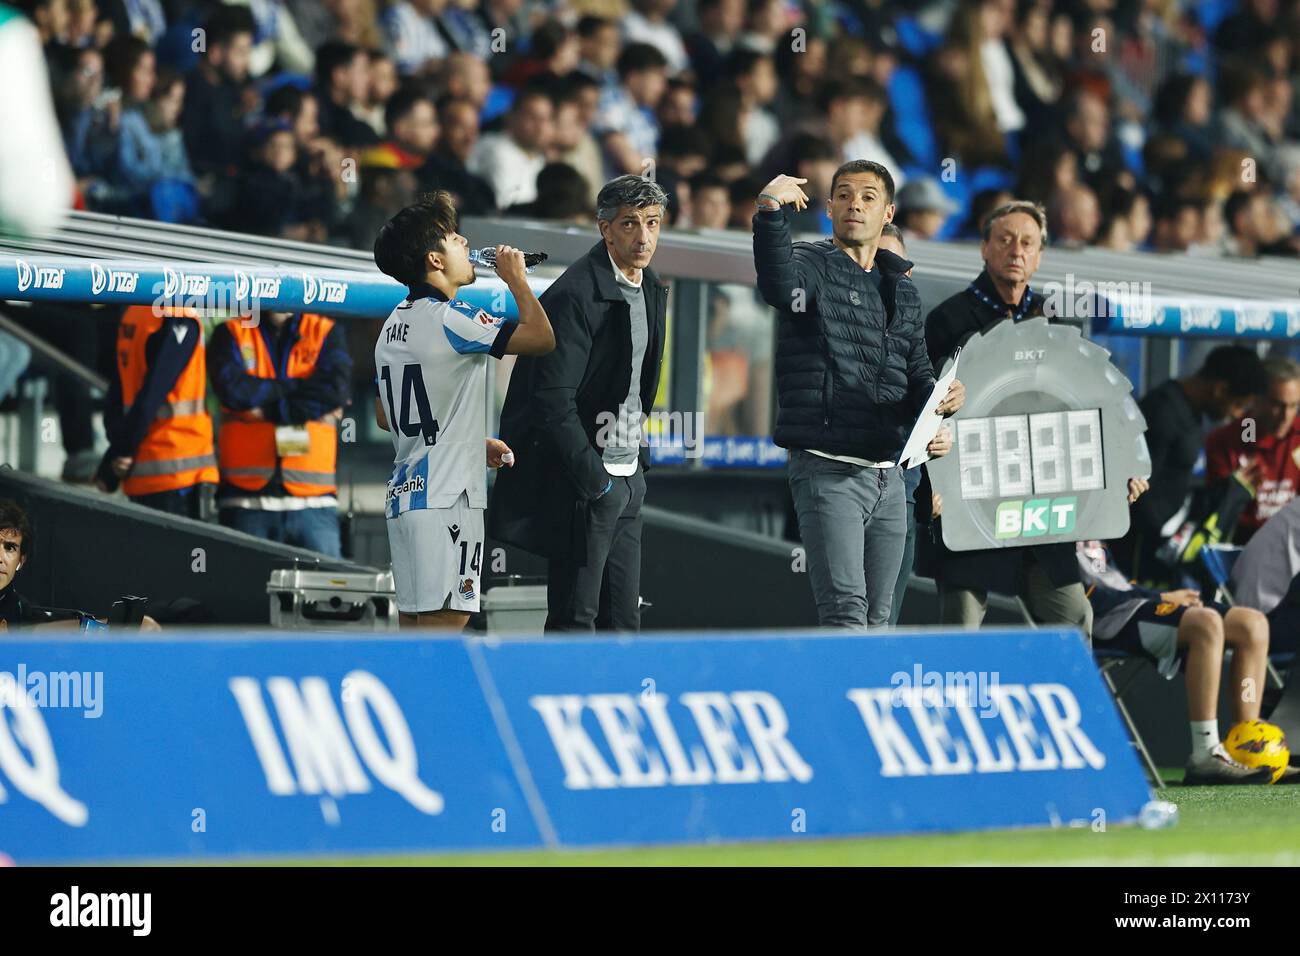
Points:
point(247, 447)
point(177, 448)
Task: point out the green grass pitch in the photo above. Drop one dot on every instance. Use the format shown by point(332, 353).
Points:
point(1218, 826)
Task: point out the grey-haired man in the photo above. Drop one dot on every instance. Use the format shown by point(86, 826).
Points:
point(574, 419)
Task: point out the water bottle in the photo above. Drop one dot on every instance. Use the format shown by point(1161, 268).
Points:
point(1157, 814)
point(487, 257)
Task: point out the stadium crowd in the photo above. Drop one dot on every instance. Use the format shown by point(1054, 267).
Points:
point(1164, 124)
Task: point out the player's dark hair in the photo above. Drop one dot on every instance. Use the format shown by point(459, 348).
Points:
point(866, 166)
point(417, 230)
point(13, 517)
point(1238, 367)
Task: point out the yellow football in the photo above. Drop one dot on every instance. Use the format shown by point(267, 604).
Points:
point(1256, 743)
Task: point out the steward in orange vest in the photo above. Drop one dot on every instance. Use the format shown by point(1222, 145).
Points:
point(283, 384)
point(159, 430)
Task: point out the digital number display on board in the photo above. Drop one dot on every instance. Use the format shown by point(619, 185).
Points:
point(1045, 444)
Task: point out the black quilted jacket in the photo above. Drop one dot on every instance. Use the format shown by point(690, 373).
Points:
point(852, 371)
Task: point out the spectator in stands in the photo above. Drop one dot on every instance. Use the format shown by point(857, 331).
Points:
point(130, 67)
point(511, 160)
point(384, 82)
point(573, 143)
point(1183, 108)
point(412, 124)
point(923, 208)
point(678, 106)
point(447, 169)
point(414, 34)
point(465, 77)
point(562, 196)
point(342, 86)
point(710, 202)
point(1255, 226)
point(1177, 225)
point(268, 202)
point(720, 21)
point(469, 26)
point(983, 203)
point(1247, 28)
point(802, 67)
point(319, 170)
point(1045, 577)
point(994, 19)
point(1050, 167)
point(967, 126)
point(755, 78)
point(648, 23)
point(743, 193)
point(765, 24)
point(213, 115)
point(1039, 72)
point(1176, 414)
point(1173, 627)
point(278, 41)
point(598, 49)
point(282, 384)
point(1074, 217)
point(150, 145)
point(624, 122)
point(90, 120)
point(156, 418)
point(1245, 122)
point(1088, 133)
point(1128, 221)
point(812, 158)
point(683, 151)
point(1263, 449)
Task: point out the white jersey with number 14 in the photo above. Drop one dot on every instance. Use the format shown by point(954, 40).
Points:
point(431, 376)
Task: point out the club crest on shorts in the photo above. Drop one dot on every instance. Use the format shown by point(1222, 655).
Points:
point(467, 589)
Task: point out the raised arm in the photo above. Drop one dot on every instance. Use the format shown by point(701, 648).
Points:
point(788, 278)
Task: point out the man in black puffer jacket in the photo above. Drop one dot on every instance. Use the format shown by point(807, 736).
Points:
point(852, 374)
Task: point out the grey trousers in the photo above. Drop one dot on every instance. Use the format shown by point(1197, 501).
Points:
point(1047, 603)
point(853, 524)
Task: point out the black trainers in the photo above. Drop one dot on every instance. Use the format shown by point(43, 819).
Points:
point(1218, 768)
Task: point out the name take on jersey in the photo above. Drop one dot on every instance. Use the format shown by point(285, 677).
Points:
point(431, 376)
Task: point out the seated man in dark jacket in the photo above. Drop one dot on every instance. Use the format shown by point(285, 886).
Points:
point(852, 375)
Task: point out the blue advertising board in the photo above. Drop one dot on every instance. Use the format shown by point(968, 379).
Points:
point(226, 289)
point(283, 745)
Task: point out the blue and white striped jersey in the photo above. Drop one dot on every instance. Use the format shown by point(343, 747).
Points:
point(431, 376)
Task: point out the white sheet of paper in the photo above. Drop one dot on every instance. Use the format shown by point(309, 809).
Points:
point(928, 423)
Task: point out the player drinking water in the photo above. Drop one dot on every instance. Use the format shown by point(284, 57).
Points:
point(431, 365)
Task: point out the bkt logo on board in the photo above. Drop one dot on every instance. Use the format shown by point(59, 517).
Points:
point(324, 290)
point(327, 751)
point(111, 280)
point(38, 277)
point(1039, 516)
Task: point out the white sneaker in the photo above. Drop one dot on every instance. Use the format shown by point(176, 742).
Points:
point(1217, 767)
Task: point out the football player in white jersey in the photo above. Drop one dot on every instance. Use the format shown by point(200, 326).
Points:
point(431, 382)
